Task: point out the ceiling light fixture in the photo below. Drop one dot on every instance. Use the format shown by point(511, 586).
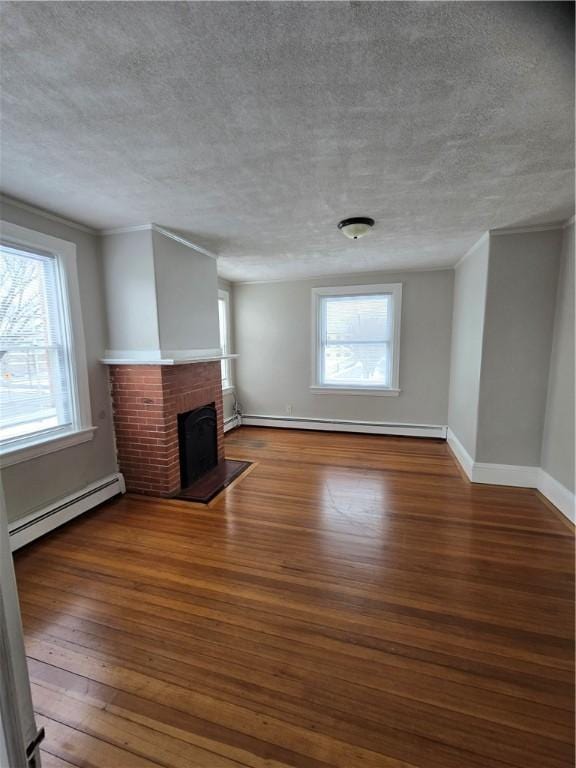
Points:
point(356, 227)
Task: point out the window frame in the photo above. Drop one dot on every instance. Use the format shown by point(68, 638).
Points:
point(224, 295)
point(81, 429)
point(317, 386)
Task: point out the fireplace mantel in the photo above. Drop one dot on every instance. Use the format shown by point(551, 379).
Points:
point(164, 357)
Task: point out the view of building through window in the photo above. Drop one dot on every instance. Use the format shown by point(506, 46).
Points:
point(356, 340)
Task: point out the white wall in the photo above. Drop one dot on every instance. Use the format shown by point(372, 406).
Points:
point(160, 294)
point(273, 334)
point(518, 327)
point(470, 282)
point(558, 440)
point(128, 260)
point(186, 295)
point(511, 414)
point(33, 484)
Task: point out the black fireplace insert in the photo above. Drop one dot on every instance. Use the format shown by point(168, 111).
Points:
point(198, 443)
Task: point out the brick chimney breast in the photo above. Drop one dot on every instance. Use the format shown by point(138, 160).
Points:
point(147, 400)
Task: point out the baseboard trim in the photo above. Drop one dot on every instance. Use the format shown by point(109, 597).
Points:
point(558, 494)
point(341, 425)
point(515, 476)
point(505, 474)
point(460, 453)
point(492, 474)
point(43, 521)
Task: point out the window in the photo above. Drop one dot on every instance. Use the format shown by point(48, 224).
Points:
point(357, 334)
point(43, 394)
point(224, 321)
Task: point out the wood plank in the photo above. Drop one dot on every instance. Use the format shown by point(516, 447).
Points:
point(163, 718)
point(352, 600)
point(425, 683)
point(85, 751)
point(84, 715)
point(51, 761)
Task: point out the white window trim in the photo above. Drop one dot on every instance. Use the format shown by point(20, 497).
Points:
point(321, 389)
point(82, 429)
point(359, 290)
point(225, 295)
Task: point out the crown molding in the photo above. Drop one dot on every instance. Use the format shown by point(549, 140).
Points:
point(339, 276)
point(161, 231)
point(514, 231)
point(16, 203)
point(182, 240)
point(46, 214)
point(125, 230)
point(528, 230)
point(481, 239)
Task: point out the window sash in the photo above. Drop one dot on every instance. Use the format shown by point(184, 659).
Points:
point(37, 394)
point(369, 359)
point(380, 367)
point(224, 328)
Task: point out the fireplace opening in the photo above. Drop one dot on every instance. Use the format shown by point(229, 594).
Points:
point(198, 443)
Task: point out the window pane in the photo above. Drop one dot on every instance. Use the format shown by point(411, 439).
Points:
point(223, 324)
point(356, 364)
point(358, 318)
point(34, 369)
point(356, 340)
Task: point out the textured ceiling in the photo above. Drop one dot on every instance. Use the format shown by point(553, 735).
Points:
point(255, 127)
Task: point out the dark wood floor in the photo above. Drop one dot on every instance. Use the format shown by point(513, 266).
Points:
point(351, 602)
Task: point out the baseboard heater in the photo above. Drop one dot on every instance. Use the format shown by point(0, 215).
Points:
point(38, 523)
point(231, 422)
point(343, 425)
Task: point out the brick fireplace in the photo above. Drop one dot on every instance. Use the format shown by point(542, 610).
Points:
point(147, 400)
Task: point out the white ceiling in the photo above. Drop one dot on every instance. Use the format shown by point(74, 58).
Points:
point(254, 127)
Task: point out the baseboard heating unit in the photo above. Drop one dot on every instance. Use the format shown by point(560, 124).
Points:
point(42, 521)
point(343, 425)
point(231, 423)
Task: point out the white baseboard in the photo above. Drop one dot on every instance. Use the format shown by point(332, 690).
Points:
point(492, 474)
point(516, 476)
point(231, 422)
point(341, 425)
point(505, 474)
point(558, 494)
point(463, 457)
point(38, 523)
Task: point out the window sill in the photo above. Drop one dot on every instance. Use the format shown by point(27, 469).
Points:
point(32, 450)
point(370, 391)
point(228, 390)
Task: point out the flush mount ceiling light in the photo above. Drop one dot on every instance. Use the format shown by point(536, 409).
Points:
point(356, 227)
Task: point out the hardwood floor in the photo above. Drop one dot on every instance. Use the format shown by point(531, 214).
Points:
point(352, 601)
